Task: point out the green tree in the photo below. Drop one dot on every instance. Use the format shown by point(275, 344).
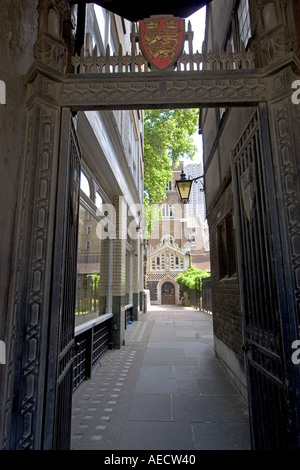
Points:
point(167, 139)
point(190, 279)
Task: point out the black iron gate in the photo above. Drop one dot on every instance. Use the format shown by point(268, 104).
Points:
point(58, 402)
point(268, 377)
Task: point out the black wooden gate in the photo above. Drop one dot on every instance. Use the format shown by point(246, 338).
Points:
point(61, 342)
point(268, 377)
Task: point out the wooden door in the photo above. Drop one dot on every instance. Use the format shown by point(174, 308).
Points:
point(168, 294)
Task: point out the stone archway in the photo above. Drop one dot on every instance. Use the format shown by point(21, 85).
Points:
point(168, 293)
point(172, 284)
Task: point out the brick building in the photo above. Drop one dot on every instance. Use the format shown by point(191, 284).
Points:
point(176, 241)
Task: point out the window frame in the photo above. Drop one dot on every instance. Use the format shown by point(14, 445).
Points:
point(167, 211)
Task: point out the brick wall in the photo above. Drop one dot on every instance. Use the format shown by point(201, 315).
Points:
point(225, 292)
point(152, 286)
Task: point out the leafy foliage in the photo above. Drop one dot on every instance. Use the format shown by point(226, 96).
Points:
point(167, 139)
point(190, 279)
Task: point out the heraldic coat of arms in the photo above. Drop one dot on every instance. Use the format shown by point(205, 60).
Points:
point(162, 40)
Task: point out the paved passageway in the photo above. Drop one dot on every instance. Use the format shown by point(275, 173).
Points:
point(164, 390)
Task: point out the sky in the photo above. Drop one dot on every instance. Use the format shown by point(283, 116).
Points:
point(198, 27)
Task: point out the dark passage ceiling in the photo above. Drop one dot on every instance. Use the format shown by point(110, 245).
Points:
point(135, 11)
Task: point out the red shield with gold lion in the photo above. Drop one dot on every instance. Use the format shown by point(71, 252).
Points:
point(162, 40)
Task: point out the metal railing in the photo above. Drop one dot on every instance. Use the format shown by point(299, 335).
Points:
point(92, 340)
point(201, 297)
point(206, 60)
point(206, 295)
point(212, 59)
point(195, 298)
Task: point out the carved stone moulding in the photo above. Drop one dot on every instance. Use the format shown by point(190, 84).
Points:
point(274, 32)
point(101, 92)
point(50, 52)
point(276, 45)
point(280, 84)
point(31, 303)
point(50, 49)
point(52, 15)
point(44, 86)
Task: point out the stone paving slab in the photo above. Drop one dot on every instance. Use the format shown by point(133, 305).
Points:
point(174, 357)
point(164, 390)
point(208, 408)
point(220, 436)
point(151, 382)
point(156, 436)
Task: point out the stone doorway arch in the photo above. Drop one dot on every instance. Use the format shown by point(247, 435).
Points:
point(168, 293)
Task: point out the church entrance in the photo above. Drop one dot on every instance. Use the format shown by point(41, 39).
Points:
point(168, 294)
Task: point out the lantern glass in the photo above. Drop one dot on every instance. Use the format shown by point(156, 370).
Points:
point(184, 189)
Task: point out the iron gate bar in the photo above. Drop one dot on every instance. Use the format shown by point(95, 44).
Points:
point(101, 341)
point(79, 367)
point(265, 356)
point(288, 324)
point(61, 337)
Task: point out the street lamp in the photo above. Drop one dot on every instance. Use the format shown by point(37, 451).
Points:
point(184, 186)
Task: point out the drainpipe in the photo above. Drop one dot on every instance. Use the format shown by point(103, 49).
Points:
point(130, 278)
point(110, 277)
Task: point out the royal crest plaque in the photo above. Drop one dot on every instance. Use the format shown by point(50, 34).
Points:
point(162, 40)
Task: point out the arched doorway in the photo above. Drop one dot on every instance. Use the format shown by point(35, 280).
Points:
point(168, 294)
